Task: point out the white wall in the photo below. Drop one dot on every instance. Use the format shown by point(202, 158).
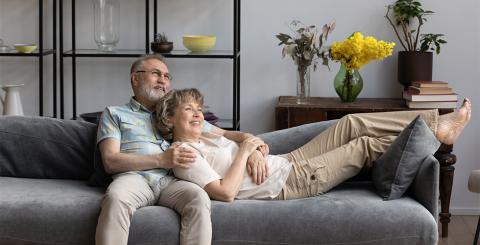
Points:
point(264, 75)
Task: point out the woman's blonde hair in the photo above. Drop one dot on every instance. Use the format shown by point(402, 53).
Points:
point(166, 108)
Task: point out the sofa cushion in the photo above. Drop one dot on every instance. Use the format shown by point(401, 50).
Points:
point(395, 170)
point(154, 225)
point(349, 214)
point(46, 212)
point(41, 147)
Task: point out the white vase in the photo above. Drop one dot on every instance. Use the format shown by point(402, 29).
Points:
point(12, 104)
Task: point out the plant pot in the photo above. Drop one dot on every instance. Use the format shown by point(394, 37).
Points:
point(161, 47)
point(414, 66)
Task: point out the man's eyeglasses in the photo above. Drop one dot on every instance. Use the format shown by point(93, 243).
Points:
point(158, 74)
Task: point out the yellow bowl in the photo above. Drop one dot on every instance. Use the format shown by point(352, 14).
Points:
point(199, 43)
point(25, 48)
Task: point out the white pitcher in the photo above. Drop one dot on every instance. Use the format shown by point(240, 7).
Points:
point(12, 104)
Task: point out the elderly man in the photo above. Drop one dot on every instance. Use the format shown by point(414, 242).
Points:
point(139, 160)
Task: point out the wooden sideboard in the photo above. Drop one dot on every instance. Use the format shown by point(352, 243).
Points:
point(290, 114)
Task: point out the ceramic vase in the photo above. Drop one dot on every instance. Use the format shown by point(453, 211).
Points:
point(414, 66)
point(12, 104)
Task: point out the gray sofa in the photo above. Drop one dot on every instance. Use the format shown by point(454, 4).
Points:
point(45, 165)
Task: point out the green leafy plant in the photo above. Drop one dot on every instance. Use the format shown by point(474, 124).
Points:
point(409, 17)
point(431, 42)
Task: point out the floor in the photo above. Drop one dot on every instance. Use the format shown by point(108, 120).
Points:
point(461, 231)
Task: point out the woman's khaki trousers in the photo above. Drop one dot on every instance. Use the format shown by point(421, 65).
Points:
point(342, 150)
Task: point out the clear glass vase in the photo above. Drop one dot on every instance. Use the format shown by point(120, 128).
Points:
point(303, 84)
point(348, 84)
point(106, 23)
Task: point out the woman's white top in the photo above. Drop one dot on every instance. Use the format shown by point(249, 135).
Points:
point(215, 155)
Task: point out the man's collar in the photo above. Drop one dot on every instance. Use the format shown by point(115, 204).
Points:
point(136, 106)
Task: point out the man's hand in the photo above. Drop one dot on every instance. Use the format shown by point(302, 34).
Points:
point(264, 149)
point(257, 167)
point(179, 156)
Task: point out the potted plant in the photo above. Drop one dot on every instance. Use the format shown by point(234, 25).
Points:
point(305, 47)
point(161, 44)
point(415, 62)
point(355, 52)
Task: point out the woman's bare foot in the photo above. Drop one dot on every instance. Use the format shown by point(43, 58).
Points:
point(451, 125)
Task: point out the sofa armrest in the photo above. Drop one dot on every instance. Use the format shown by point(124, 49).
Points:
point(287, 140)
point(425, 187)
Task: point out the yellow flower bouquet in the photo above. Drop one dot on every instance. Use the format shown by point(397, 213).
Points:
point(355, 52)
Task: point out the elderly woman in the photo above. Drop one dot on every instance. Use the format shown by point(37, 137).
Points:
point(335, 155)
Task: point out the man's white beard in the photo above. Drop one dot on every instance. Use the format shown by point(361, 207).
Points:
point(152, 95)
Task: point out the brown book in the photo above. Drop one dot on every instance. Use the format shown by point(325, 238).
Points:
point(429, 90)
point(430, 84)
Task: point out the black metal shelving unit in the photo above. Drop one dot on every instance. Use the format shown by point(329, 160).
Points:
point(40, 53)
point(234, 55)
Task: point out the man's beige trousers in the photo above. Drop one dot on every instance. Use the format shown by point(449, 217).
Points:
point(342, 150)
point(129, 192)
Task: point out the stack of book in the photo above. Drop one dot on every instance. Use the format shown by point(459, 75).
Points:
point(430, 94)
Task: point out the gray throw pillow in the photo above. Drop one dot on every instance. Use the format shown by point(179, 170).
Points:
point(395, 170)
point(99, 178)
point(46, 148)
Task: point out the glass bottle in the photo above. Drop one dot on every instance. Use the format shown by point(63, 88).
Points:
point(106, 23)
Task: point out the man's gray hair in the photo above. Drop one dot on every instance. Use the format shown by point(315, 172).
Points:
point(139, 62)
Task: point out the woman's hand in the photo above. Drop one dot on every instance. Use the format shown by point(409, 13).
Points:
point(257, 167)
point(251, 144)
point(226, 189)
